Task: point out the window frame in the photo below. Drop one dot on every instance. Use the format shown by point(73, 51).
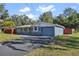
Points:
point(36, 29)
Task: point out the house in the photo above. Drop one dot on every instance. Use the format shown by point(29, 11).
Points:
point(9, 30)
point(41, 29)
point(69, 30)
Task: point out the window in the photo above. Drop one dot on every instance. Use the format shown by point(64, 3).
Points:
point(35, 29)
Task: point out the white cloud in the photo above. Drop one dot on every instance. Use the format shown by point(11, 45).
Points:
point(32, 16)
point(25, 9)
point(46, 8)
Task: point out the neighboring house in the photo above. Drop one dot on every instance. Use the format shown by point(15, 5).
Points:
point(69, 30)
point(8, 30)
point(43, 29)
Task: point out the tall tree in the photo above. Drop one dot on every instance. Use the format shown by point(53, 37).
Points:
point(62, 20)
point(1, 8)
point(69, 18)
point(46, 17)
point(5, 14)
point(69, 11)
point(21, 19)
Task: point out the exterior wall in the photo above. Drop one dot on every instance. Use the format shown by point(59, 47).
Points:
point(9, 31)
point(47, 31)
point(58, 31)
point(37, 32)
point(43, 31)
point(21, 31)
point(69, 31)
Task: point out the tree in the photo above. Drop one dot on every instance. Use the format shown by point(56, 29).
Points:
point(24, 19)
point(69, 18)
point(72, 18)
point(1, 8)
point(5, 14)
point(46, 17)
point(69, 11)
point(21, 20)
point(8, 24)
point(62, 20)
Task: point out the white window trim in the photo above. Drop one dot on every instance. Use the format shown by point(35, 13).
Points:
point(34, 29)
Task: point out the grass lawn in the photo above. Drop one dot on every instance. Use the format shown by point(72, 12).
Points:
point(8, 37)
point(66, 45)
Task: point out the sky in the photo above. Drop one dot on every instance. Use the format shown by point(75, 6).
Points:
point(34, 10)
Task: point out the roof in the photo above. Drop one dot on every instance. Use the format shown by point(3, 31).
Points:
point(23, 26)
point(40, 24)
point(43, 24)
point(6, 27)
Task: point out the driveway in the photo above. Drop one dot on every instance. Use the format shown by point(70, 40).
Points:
point(22, 47)
point(6, 51)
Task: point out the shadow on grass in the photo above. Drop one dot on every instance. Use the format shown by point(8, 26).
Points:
point(53, 48)
point(64, 44)
point(71, 42)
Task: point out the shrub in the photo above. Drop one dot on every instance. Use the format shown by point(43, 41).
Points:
point(8, 24)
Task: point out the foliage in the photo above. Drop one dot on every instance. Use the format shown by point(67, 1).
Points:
point(1, 8)
point(8, 24)
point(46, 17)
point(21, 19)
point(69, 18)
point(5, 14)
point(69, 11)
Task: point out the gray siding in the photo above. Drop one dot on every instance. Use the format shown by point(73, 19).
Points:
point(36, 33)
point(20, 31)
point(44, 31)
point(58, 31)
point(47, 31)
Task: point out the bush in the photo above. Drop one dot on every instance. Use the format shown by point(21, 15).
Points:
point(8, 24)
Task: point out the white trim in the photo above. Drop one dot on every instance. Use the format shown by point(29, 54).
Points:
point(34, 29)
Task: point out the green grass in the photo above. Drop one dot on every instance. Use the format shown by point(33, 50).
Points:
point(8, 37)
point(66, 45)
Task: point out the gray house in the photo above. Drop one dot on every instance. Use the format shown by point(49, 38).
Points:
point(41, 29)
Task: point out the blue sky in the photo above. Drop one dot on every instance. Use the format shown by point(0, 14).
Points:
point(33, 10)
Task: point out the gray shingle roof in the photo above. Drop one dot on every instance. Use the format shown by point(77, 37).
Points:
point(43, 24)
point(40, 24)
